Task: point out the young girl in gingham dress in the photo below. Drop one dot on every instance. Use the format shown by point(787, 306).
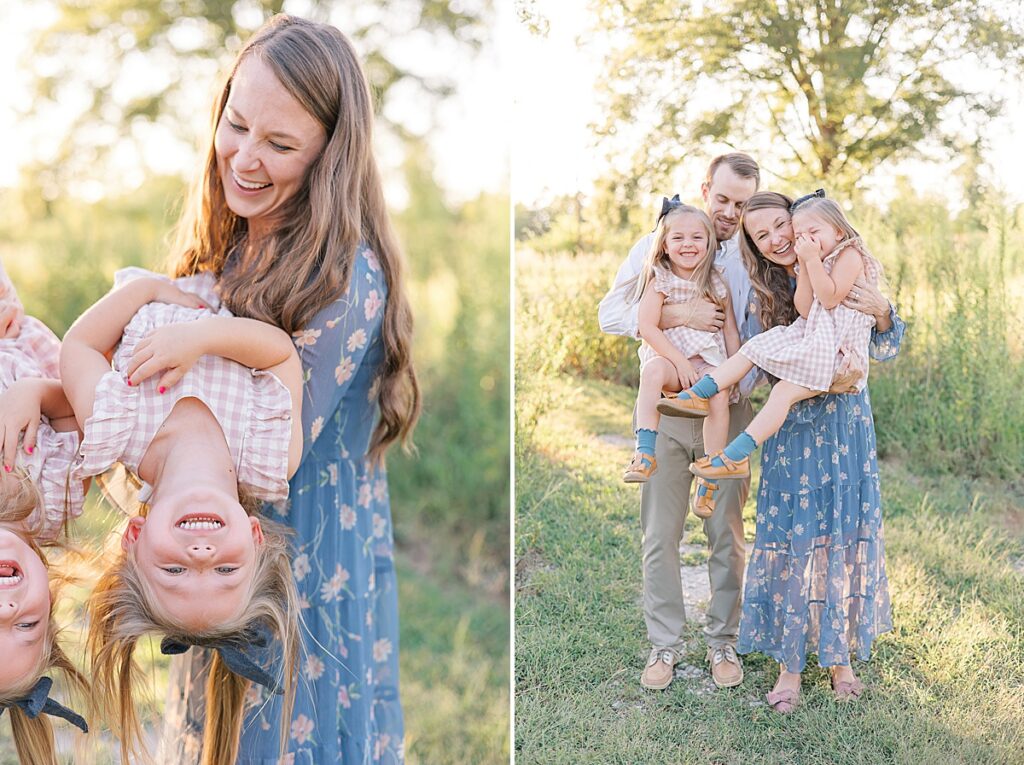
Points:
point(37, 499)
point(211, 572)
point(805, 355)
point(678, 269)
point(29, 380)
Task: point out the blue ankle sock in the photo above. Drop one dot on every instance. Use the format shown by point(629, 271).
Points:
point(702, 489)
point(741, 446)
point(705, 387)
point(645, 439)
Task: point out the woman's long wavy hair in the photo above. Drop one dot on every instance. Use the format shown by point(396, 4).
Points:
point(769, 280)
point(705, 277)
point(122, 610)
point(306, 262)
point(33, 738)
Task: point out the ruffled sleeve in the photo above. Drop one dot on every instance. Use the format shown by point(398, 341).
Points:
point(886, 345)
point(335, 343)
point(109, 428)
point(203, 284)
point(268, 435)
point(50, 466)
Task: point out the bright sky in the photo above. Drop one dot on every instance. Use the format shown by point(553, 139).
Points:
point(469, 137)
point(554, 151)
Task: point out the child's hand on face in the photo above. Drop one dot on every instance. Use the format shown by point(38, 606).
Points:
point(807, 247)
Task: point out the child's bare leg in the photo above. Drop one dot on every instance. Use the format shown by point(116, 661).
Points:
point(654, 377)
point(731, 371)
point(767, 422)
point(716, 432)
point(716, 425)
point(658, 374)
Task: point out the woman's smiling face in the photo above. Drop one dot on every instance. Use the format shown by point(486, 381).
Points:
point(265, 144)
point(771, 230)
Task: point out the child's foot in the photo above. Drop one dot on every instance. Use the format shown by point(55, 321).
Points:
point(684, 404)
point(717, 466)
point(704, 498)
point(640, 469)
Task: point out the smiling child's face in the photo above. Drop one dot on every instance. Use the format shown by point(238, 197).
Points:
point(24, 610)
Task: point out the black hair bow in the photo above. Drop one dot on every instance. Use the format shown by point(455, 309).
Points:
point(37, 701)
point(667, 205)
point(234, 652)
point(819, 194)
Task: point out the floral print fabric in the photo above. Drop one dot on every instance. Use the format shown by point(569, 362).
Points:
point(347, 708)
point(816, 580)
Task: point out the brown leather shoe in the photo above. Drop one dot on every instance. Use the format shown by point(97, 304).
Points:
point(660, 669)
point(703, 505)
point(684, 404)
point(640, 469)
point(726, 670)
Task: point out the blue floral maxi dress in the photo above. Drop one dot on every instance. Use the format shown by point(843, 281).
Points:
point(816, 579)
point(347, 708)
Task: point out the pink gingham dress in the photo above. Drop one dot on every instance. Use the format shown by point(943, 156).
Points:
point(35, 352)
point(695, 344)
point(808, 351)
point(253, 407)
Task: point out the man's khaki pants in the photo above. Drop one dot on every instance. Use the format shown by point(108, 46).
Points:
point(663, 508)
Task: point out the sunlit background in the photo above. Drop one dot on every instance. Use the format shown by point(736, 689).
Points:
point(619, 102)
point(101, 112)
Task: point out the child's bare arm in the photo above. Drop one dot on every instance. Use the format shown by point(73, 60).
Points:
point(832, 289)
point(804, 295)
point(175, 348)
point(730, 330)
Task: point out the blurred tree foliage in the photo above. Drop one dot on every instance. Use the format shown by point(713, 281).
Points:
point(86, 58)
point(841, 85)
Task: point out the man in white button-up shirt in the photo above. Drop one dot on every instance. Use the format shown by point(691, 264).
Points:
point(731, 180)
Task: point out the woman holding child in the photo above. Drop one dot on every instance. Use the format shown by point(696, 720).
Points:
point(289, 215)
point(816, 579)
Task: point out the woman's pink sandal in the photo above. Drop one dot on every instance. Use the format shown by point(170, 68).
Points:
point(784, 701)
point(847, 690)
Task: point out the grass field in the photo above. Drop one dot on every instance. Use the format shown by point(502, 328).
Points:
point(944, 687)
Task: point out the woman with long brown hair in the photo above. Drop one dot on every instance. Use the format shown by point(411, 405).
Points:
point(288, 213)
point(816, 579)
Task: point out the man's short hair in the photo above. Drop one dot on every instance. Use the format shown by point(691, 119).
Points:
point(742, 164)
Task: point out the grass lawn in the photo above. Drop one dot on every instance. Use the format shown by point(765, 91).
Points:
point(946, 686)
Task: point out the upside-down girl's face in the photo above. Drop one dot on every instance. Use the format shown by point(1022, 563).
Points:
point(771, 230)
point(196, 552)
point(265, 144)
point(24, 610)
point(686, 243)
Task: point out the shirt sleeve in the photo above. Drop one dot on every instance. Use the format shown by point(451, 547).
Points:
point(886, 345)
point(618, 313)
point(335, 343)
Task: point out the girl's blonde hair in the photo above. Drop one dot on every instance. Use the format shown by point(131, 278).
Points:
point(769, 280)
point(709, 283)
point(306, 262)
point(33, 737)
point(121, 610)
point(830, 212)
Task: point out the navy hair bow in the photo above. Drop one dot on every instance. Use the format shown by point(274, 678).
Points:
point(37, 701)
point(667, 205)
point(819, 194)
point(233, 652)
